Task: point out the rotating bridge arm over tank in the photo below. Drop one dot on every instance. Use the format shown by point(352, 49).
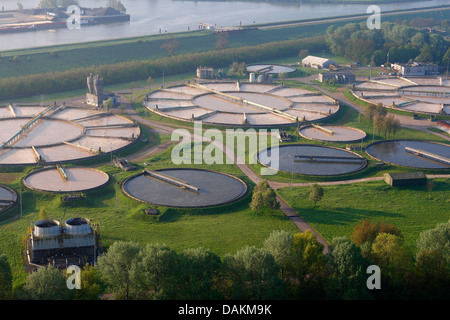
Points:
point(177, 182)
point(248, 102)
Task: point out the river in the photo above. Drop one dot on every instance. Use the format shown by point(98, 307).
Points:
point(153, 16)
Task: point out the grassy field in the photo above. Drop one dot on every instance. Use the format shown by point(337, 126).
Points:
point(343, 206)
point(69, 56)
point(223, 229)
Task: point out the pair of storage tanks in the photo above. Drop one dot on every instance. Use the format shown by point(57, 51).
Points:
point(51, 228)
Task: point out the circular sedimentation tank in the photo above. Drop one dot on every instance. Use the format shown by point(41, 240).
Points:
point(37, 134)
point(411, 153)
point(270, 68)
point(8, 197)
point(241, 104)
point(430, 95)
point(65, 179)
point(329, 133)
point(184, 188)
point(313, 160)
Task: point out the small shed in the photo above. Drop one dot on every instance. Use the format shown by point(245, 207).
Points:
point(405, 179)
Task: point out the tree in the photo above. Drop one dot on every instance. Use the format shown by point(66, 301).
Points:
point(116, 4)
point(115, 267)
point(308, 258)
point(257, 204)
point(253, 275)
point(426, 54)
point(154, 273)
point(389, 253)
point(46, 284)
point(306, 271)
point(222, 40)
point(90, 284)
point(431, 275)
point(5, 278)
point(42, 214)
point(199, 275)
point(48, 4)
point(171, 45)
point(316, 193)
point(303, 53)
point(366, 231)
point(437, 239)
point(347, 267)
point(264, 198)
point(430, 186)
point(280, 244)
point(237, 69)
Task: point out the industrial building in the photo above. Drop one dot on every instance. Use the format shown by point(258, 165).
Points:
point(416, 69)
point(75, 243)
point(338, 77)
point(95, 95)
point(317, 62)
point(205, 73)
point(405, 179)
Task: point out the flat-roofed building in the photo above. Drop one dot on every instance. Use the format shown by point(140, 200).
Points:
point(205, 73)
point(416, 68)
point(317, 62)
point(405, 178)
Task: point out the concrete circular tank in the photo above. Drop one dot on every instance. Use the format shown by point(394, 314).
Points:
point(78, 226)
point(411, 153)
point(37, 134)
point(329, 133)
point(46, 228)
point(184, 188)
point(314, 160)
point(270, 68)
point(8, 197)
point(65, 179)
point(241, 104)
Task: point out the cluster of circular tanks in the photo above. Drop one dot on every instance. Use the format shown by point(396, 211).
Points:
point(241, 104)
point(59, 134)
point(420, 95)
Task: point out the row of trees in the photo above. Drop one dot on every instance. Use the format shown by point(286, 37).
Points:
point(37, 84)
point(382, 122)
point(400, 42)
point(264, 198)
point(48, 4)
point(286, 266)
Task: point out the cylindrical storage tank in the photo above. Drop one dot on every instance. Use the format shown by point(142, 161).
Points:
point(252, 77)
point(90, 83)
point(98, 85)
point(46, 228)
point(260, 78)
point(78, 226)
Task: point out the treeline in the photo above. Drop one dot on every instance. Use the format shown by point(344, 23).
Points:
point(393, 42)
point(286, 266)
point(37, 84)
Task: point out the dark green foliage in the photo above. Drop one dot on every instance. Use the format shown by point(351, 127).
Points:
point(5, 278)
point(75, 78)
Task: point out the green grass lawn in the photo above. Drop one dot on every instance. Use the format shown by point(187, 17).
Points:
point(223, 229)
point(343, 206)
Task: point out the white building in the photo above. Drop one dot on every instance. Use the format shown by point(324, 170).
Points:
point(415, 68)
point(317, 62)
